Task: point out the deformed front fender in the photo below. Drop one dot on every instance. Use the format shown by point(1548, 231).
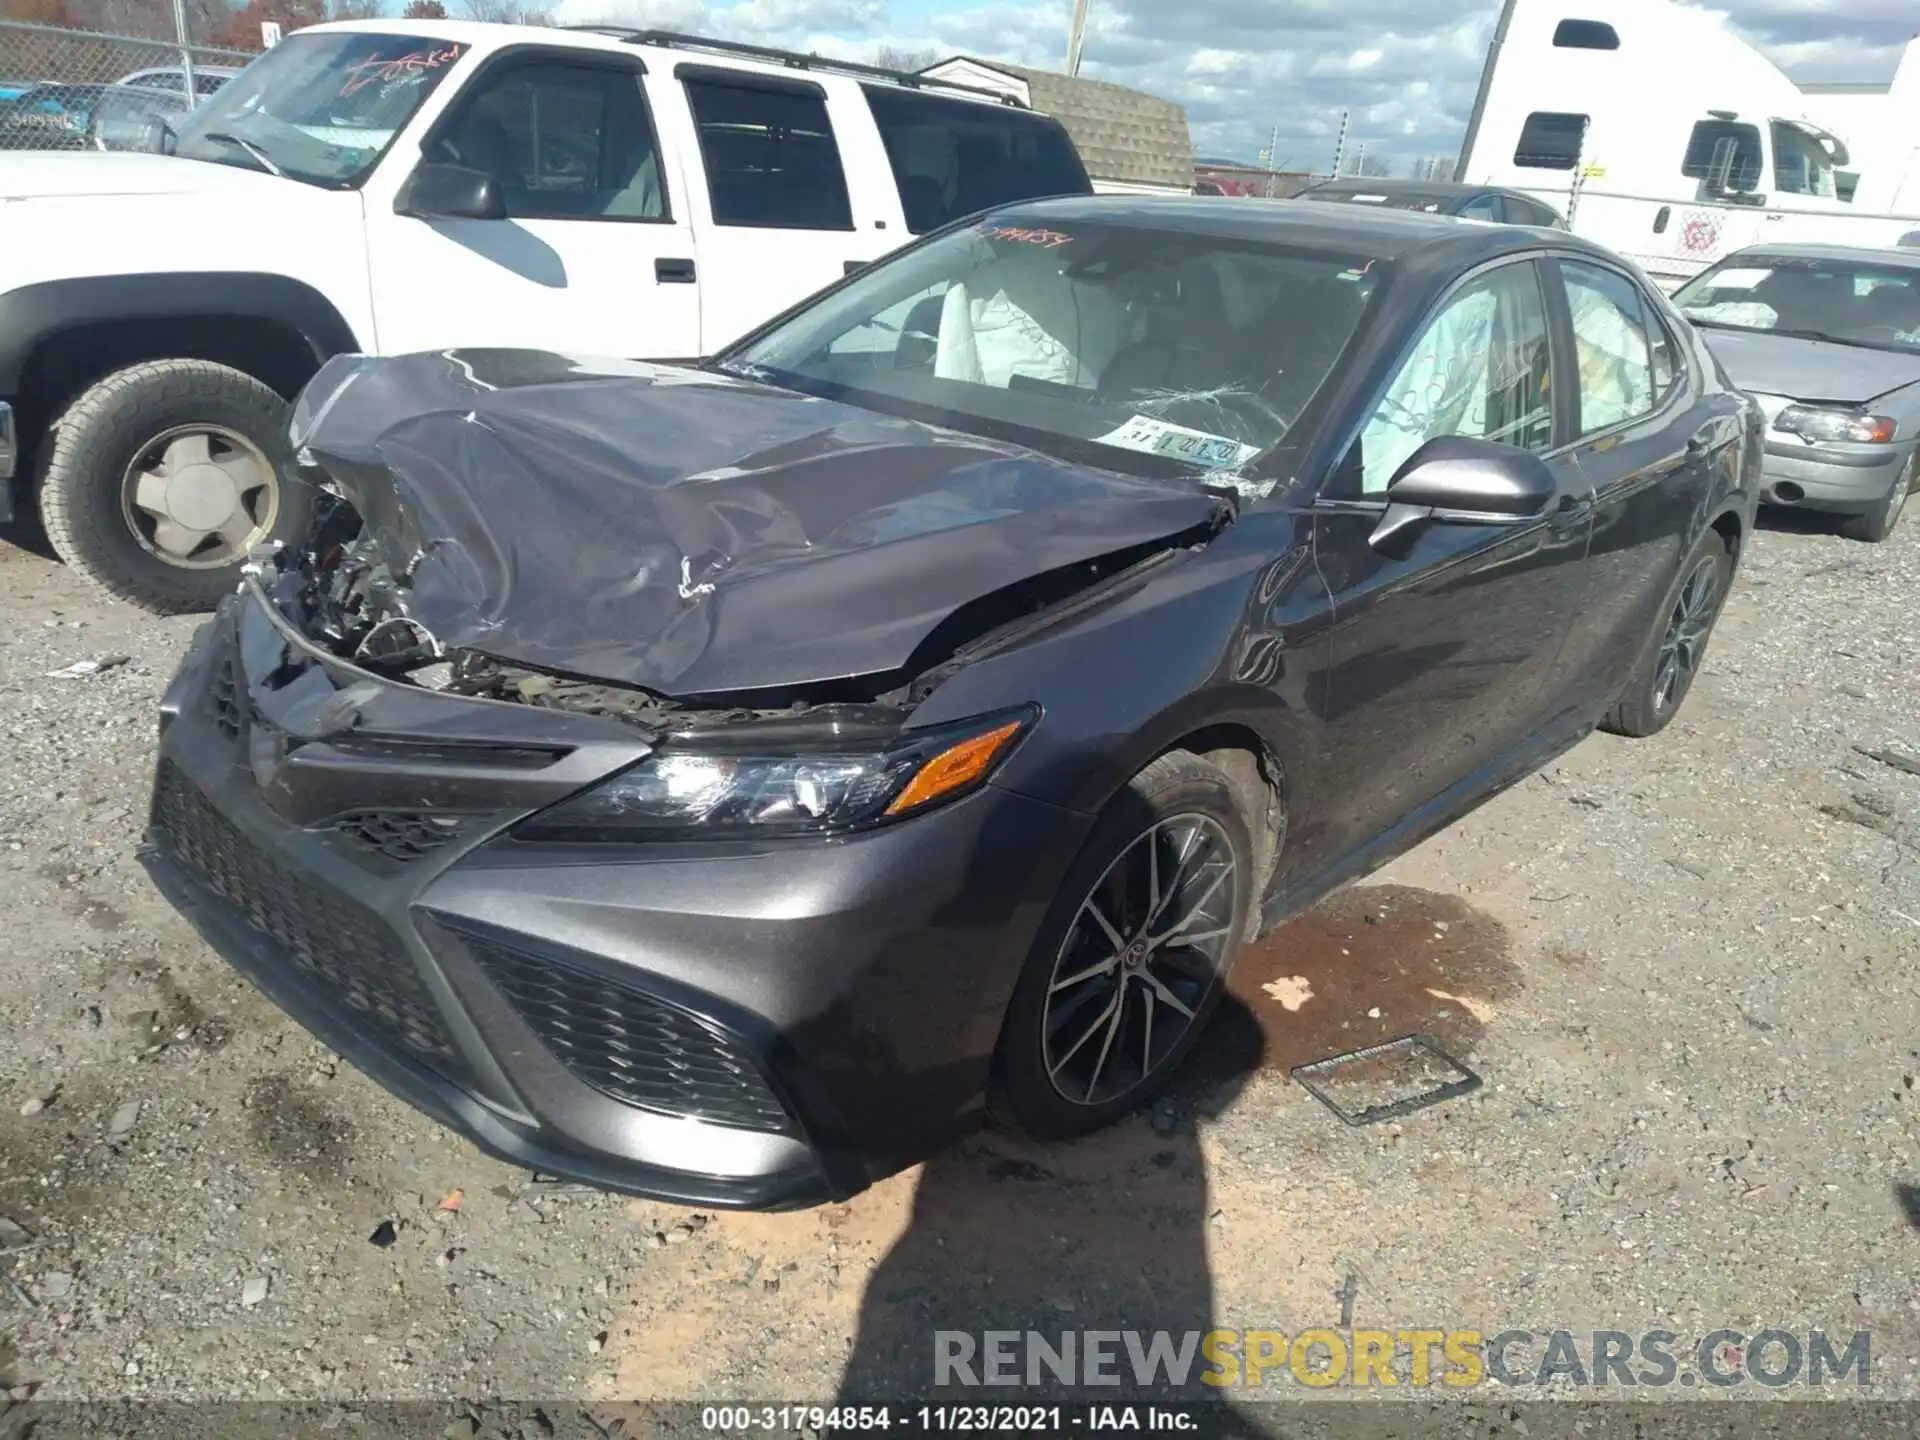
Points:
point(1232, 635)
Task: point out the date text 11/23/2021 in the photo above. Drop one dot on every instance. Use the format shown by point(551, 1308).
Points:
point(940, 1419)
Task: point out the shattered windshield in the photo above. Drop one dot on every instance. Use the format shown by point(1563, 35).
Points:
point(319, 108)
point(1150, 349)
point(1850, 302)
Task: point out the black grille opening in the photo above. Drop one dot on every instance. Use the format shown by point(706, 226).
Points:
point(401, 836)
point(633, 1047)
point(229, 699)
point(356, 957)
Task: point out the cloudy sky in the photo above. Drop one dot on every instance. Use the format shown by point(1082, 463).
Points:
point(1407, 68)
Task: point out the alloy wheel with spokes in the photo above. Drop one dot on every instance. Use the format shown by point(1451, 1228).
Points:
point(1688, 626)
point(200, 496)
point(1142, 955)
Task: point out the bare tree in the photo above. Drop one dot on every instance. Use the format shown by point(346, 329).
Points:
point(890, 57)
point(507, 12)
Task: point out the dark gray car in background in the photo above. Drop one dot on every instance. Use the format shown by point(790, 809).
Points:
point(729, 784)
point(1827, 338)
point(1491, 204)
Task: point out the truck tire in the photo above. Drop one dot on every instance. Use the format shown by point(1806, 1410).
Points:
point(161, 477)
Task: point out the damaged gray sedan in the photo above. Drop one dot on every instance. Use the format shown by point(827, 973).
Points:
point(731, 784)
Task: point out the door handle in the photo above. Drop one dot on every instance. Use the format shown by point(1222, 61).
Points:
point(673, 271)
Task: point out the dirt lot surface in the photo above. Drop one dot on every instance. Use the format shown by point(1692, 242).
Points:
point(1686, 969)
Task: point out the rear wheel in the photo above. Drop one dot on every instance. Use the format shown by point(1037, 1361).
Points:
point(1131, 960)
point(1678, 644)
point(161, 477)
point(1878, 523)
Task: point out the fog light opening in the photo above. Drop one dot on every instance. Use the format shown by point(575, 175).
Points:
point(1788, 493)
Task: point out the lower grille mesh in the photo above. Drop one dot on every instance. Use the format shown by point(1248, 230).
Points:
point(355, 956)
point(630, 1046)
point(401, 836)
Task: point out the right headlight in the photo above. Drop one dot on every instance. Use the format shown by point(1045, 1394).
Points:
point(1819, 424)
point(709, 793)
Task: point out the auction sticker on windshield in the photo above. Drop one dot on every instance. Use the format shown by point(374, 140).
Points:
point(1161, 437)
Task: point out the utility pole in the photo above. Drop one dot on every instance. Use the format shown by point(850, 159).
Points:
point(1340, 145)
point(1267, 156)
point(185, 39)
point(1077, 36)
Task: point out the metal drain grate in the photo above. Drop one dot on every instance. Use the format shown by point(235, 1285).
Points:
point(1386, 1081)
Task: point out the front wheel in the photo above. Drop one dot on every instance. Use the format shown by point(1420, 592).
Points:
point(1878, 523)
point(1132, 957)
point(161, 477)
point(1678, 644)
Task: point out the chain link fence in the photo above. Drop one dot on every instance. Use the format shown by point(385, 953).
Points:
point(64, 89)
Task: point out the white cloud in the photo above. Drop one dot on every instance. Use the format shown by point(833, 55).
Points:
point(1406, 70)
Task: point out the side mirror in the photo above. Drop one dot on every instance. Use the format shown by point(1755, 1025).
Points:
point(1463, 480)
point(450, 192)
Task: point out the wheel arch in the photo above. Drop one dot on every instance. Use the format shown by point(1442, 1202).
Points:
point(60, 336)
point(1245, 731)
point(1728, 526)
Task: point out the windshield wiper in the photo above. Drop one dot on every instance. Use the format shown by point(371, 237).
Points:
point(1816, 335)
point(262, 157)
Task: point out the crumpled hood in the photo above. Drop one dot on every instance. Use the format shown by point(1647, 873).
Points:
point(1810, 369)
point(47, 175)
point(692, 534)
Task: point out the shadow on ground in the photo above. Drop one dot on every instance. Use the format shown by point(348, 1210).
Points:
point(1108, 1233)
point(1112, 1233)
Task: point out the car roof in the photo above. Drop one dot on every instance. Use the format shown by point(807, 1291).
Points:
point(1908, 259)
point(1413, 237)
point(1437, 190)
point(1376, 185)
point(488, 36)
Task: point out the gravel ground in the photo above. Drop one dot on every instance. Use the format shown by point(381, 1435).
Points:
point(1684, 968)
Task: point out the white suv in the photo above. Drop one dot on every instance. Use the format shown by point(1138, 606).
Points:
point(391, 186)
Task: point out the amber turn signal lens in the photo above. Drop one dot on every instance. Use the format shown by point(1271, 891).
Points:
point(955, 768)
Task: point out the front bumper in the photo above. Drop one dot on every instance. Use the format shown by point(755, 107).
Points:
point(764, 1025)
point(1839, 479)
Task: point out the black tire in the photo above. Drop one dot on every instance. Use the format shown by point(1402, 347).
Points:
point(107, 427)
point(1878, 523)
point(1648, 706)
point(1023, 1095)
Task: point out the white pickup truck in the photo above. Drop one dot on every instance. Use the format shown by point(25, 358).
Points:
point(389, 186)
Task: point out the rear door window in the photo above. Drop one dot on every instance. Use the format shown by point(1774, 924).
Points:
point(1483, 207)
point(1616, 370)
point(770, 155)
point(954, 157)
